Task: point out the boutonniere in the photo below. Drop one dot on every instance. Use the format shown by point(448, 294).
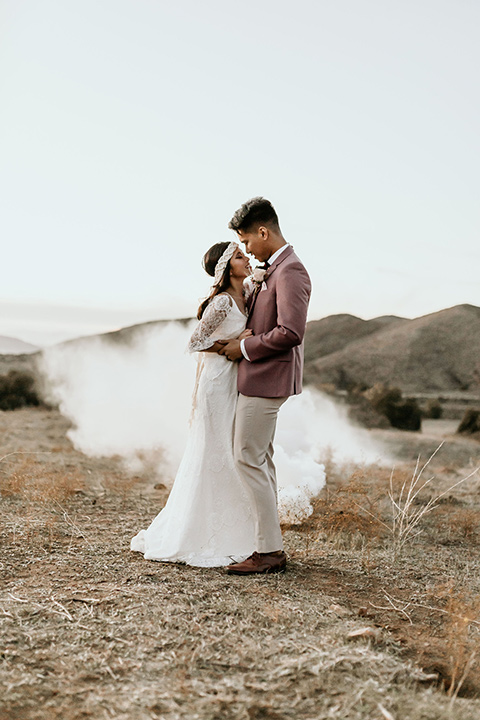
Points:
point(259, 275)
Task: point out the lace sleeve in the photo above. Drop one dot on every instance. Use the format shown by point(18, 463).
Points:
point(213, 317)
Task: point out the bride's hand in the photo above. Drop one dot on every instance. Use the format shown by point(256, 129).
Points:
point(246, 333)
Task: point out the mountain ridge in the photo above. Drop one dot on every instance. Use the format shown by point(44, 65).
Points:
point(437, 352)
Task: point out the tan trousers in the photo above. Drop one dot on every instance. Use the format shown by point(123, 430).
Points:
point(255, 423)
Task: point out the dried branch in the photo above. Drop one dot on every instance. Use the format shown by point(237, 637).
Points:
point(405, 517)
point(64, 609)
point(386, 714)
point(21, 452)
point(466, 670)
point(70, 522)
point(393, 600)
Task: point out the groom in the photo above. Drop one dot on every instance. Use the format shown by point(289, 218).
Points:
point(270, 370)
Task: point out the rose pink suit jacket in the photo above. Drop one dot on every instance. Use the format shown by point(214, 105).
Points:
point(277, 316)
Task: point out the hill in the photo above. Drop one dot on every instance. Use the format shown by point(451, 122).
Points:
point(126, 335)
point(439, 352)
point(435, 352)
point(13, 346)
point(331, 334)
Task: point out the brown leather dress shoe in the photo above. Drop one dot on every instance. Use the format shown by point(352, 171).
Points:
point(259, 563)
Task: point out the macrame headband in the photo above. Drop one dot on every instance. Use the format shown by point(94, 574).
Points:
point(223, 262)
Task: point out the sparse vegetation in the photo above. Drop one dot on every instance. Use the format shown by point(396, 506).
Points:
point(92, 630)
point(437, 352)
point(382, 406)
point(408, 509)
point(404, 414)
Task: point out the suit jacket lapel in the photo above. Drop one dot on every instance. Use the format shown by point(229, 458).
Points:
point(270, 270)
point(283, 256)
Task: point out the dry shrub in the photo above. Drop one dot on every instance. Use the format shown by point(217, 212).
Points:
point(12, 485)
point(462, 646)
point(402, 413)
point(408, 508)
point(466, 522)
point(461, 627)
point(433, 410)
point(459, 525)
point(49, 488)
point(352, 512)
point(371, 506)
point(17, 390)
point(470, 423)
point(39, 485)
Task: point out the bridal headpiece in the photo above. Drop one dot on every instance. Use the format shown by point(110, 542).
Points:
point(223, 262)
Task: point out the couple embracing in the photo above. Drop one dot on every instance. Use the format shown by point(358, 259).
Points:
point(222, 509)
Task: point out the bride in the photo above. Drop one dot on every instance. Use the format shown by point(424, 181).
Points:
point(207, 519)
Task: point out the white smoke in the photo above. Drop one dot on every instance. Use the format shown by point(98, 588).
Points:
point(132, 399)
point(312, 428)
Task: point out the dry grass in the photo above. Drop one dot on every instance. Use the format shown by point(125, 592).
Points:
point(53, 484)
point(349, 516)
point(364, 508)
point(92, 630)
point(408, 510)
point(463, 634)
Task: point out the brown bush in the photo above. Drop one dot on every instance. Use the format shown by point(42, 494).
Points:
point(433, 410)
point(470, 424)
point(17, 390)
point(404, 414)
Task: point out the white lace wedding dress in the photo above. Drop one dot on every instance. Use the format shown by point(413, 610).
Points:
point(207, 519)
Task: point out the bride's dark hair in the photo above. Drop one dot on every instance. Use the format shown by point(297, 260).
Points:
point(210, 260)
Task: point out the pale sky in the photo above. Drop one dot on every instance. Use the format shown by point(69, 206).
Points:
point(131, 130)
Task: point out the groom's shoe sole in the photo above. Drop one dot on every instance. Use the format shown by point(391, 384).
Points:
point(267, 571)
point(259, 565)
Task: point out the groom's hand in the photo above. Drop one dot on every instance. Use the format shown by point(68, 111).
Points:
point(231, 350)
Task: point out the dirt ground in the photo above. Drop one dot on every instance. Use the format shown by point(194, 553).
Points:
point(350, 631)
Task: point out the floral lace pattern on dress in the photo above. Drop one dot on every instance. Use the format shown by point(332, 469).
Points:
point(214, 315)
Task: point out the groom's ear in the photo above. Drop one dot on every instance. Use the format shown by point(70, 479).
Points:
point(263, 232)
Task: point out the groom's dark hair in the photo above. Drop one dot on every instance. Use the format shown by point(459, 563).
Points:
point(254, 213)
